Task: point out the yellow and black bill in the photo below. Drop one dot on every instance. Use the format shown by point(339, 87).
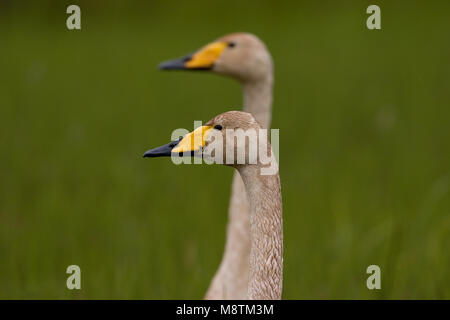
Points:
point(189, 145)
point(202, 59)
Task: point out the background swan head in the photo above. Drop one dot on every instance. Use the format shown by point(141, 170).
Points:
point(232, 138)
point(240, 55)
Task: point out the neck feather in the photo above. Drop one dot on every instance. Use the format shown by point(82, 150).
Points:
point(266, 232)
point(258, 99)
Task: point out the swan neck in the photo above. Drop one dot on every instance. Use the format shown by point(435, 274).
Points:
point(266, 233)
point(258, 99)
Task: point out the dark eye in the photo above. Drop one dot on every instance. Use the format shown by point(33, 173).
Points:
point(231, 44)
point(218, 127)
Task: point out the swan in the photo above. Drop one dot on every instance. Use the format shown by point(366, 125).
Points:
point(265, 268)
point(244, 57)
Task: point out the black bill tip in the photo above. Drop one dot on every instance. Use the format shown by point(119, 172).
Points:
point(162, 151)
point(176, 64)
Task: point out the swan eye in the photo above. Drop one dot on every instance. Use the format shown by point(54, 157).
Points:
point(218, 127)
point(231, 44)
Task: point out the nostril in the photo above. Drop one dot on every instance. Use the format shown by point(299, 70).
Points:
point(187, 58)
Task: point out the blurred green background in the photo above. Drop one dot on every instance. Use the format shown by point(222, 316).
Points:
point(364, 156)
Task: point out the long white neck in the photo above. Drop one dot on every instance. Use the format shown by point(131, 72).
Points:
point(266, 233)
point(258, 99)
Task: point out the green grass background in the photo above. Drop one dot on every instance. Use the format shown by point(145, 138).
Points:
point(364, 154)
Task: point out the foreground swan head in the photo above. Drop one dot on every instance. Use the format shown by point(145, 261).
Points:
point(240, 55)
point(212, 142)
point(232, 138)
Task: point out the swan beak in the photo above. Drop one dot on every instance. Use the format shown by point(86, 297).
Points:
point(163, 151)
point(191, 143)
point(202, 59)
